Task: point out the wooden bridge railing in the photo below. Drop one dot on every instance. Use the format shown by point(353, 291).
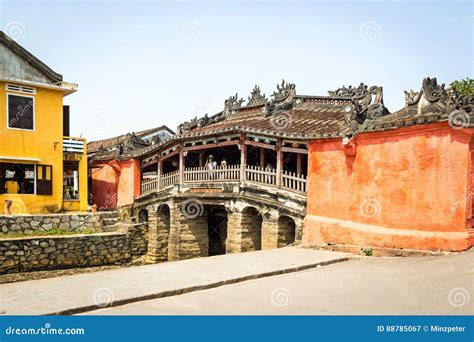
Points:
point(231, 173)
point(292, 181)
point(149, 184)
point(169, 179)
point(258, 174)
point(199, 174)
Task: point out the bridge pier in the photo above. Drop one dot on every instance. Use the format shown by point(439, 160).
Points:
point(159, 224)
point(270, 230)
point(234, 232)
point(190, 231)
point(185, 227)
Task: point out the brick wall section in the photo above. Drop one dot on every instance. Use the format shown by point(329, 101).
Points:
point(47, 253)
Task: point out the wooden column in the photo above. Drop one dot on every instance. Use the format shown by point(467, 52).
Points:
point(243, 158)
point(181, 166)
point(298, 164)
point(279, 165)
point(262, 157)
point(159, 167)
point(201, 159)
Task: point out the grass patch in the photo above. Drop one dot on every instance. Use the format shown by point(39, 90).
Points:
point(46, 233)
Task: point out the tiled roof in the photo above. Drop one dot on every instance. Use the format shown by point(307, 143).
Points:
point(298, 121)
point(347, 112)
point(94, 146)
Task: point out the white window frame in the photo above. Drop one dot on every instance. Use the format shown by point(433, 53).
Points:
point(8, 112)
point(34, 179)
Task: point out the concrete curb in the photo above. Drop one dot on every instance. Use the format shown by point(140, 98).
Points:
point(184, 290)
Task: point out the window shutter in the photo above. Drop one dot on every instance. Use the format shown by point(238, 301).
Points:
point(65, 121)
point(20, 112)
point(44, 179)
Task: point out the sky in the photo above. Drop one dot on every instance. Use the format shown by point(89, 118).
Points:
point(143, 64)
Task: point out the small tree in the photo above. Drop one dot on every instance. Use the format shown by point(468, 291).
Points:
point(464, 87)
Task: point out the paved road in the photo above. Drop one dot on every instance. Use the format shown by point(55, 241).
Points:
point(441, 285)
point(80, 292)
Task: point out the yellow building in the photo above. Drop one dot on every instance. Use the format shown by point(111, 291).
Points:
point(42, 169)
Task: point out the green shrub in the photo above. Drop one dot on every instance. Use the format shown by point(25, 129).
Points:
point(367, 251)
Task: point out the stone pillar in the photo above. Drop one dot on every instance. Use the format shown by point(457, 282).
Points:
point(270, 229)
point(234, 232)
point(152, 254)
point(173, 240)
point(189, 231)
point(158, 234)
point(298, 231)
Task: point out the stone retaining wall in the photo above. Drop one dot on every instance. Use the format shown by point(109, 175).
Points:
point(53, 252)
point(27, 224)
point(138, 237)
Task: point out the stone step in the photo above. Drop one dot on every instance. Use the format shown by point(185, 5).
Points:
point(109, 214)
point(110, 228)
point(109, 221)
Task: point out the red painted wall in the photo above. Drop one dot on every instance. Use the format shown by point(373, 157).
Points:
point(104, 186)
point(410, 180)
point(129, 182)
point(115, 183)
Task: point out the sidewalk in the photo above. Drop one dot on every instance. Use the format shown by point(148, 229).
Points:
point(89, 291)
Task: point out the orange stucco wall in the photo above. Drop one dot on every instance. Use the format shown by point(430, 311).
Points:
point(115, 183)
point(129, 182)
point(406, 188)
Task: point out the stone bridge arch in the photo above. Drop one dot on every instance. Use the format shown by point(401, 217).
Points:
point(159, 227)
point(286, 231)
point(254, 226)
point(180, 227)
point(251, 229)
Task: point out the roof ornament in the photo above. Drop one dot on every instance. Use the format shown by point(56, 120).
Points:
point(232, 105)
point(367, 105)
point(284, 91)
point(256, 97)
point(430, 92)
point(350, 91)
point(187, 125)
point(367, 102)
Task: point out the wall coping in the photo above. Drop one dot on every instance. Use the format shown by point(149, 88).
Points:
point(71, 236)
point(50, 215)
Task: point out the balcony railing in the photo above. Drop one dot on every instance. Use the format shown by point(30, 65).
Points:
point(257, 174)
point(203, 174)
point(292, 181)
point(169, 179)
point(73, 145)
point(252, 174)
